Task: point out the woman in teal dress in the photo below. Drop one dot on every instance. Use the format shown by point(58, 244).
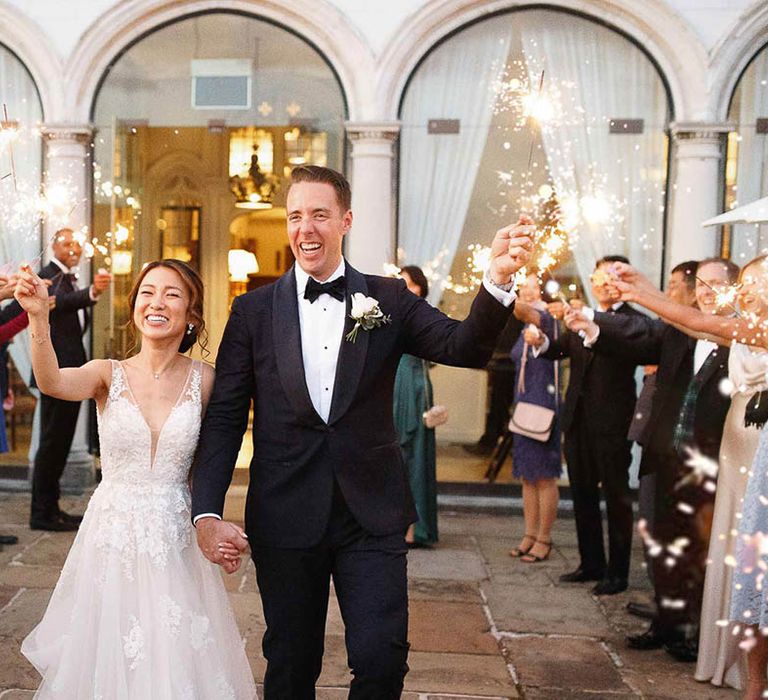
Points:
point(413, 396)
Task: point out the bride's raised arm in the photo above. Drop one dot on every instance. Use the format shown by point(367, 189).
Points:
point(91, 381)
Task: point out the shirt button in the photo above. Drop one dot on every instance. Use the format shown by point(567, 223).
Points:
point(325, 347)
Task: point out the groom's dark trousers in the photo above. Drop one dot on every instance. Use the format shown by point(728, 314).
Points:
point(327, 500)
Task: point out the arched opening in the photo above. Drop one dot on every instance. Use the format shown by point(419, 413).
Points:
point(534, 110)
point(746, 169)
point(198, 121)
point(21, 114)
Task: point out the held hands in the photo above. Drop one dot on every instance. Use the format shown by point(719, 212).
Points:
point(221, 542)
point(511, 249)
point(32, 292)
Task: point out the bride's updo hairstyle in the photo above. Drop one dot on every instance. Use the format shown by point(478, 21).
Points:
point(194, 285)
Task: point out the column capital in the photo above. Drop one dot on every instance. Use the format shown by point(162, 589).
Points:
point(700, 131)
point(80, 133)
point(386, 131)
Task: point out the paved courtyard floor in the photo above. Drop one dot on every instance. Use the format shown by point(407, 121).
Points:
point(482, 624)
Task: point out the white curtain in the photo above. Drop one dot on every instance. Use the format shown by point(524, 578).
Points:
point(751, 100)
point(20, 240)
point(610, 186)
point(437, 172)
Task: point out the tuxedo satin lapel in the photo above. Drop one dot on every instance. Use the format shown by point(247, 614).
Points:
point(286, 337)
point(349, 368)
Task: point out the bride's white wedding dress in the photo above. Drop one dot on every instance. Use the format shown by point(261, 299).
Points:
point(139, 613)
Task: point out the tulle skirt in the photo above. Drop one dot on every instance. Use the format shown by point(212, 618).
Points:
point(135, 616)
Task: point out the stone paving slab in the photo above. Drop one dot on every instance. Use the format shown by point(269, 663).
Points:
point(450, 627)
point(569, 664)
point(545, 609)
point(447, 564)
point(23, 613)
point(437, 589)
point(466, 674)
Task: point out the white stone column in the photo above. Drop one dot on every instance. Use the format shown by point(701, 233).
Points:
point(371, 242)
point(695, 193)
point(68, 163)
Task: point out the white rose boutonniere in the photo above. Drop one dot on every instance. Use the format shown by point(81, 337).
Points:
point(366, 314)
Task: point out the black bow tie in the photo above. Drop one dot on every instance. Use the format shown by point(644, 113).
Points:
point(336, 288)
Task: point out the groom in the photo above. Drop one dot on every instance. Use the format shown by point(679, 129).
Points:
point(328, 495)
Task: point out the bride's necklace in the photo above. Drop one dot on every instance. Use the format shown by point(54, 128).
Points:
point(157, 375)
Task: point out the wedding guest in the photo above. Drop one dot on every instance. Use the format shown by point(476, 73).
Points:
point(688, 411)
point(537, 463)
point(681, 288)
point(58, 418)
point(413, 398)
point(599, 404)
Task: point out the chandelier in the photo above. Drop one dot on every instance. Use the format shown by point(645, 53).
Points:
point(256, 189)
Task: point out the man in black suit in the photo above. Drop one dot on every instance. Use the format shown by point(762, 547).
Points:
point(688, 411)
point(328, 494)
point(58, 419)
point(599, 405)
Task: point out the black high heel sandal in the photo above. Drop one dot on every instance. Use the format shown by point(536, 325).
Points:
point(519, 551)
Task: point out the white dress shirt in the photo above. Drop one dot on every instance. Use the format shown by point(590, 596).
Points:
point(701, 352)
point(322, 327)
point(73, 271)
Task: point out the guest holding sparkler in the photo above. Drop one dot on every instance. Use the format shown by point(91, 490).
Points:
point(536, 457)
point(599, 405)
point(719, 659)
point(58, 418)
point(685, 428)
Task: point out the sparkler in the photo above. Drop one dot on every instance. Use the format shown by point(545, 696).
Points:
point(532, 109)
point(725, 298)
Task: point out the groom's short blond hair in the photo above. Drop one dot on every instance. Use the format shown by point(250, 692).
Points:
point(317, 173)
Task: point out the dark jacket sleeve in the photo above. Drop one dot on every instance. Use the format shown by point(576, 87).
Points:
point(433, 336)
point(72, 301)
point(635, 337)
point(226, 418)
point(558, 347)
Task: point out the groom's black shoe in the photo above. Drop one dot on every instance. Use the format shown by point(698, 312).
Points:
point(647, 612)
point(52, 525)
point(610, 586)
point(652, 638)
point(581, 576)
point(71, 519)
point(8, 539)
point(685, 651)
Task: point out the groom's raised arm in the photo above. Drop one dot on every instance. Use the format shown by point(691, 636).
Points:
point(430, 334)
point(226, 419)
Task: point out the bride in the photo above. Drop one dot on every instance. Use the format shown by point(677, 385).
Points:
point(138, 612)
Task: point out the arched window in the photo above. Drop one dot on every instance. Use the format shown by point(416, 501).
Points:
point(198, 126)
point(538, 111)
point(20, 173)
point(747, 161)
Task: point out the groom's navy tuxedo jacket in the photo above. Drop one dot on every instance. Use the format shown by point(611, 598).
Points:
point(296, 455)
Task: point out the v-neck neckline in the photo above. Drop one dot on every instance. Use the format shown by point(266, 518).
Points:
point(135, 403)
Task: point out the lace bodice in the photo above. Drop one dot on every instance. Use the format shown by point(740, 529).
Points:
point(747, 369)
point(143, 501)
point(128, 454)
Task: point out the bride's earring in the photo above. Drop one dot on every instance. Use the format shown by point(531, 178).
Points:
point(190, 328)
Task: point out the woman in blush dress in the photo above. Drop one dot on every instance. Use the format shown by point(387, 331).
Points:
point(412, 398)
point(138, 613)
point(537, 464)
